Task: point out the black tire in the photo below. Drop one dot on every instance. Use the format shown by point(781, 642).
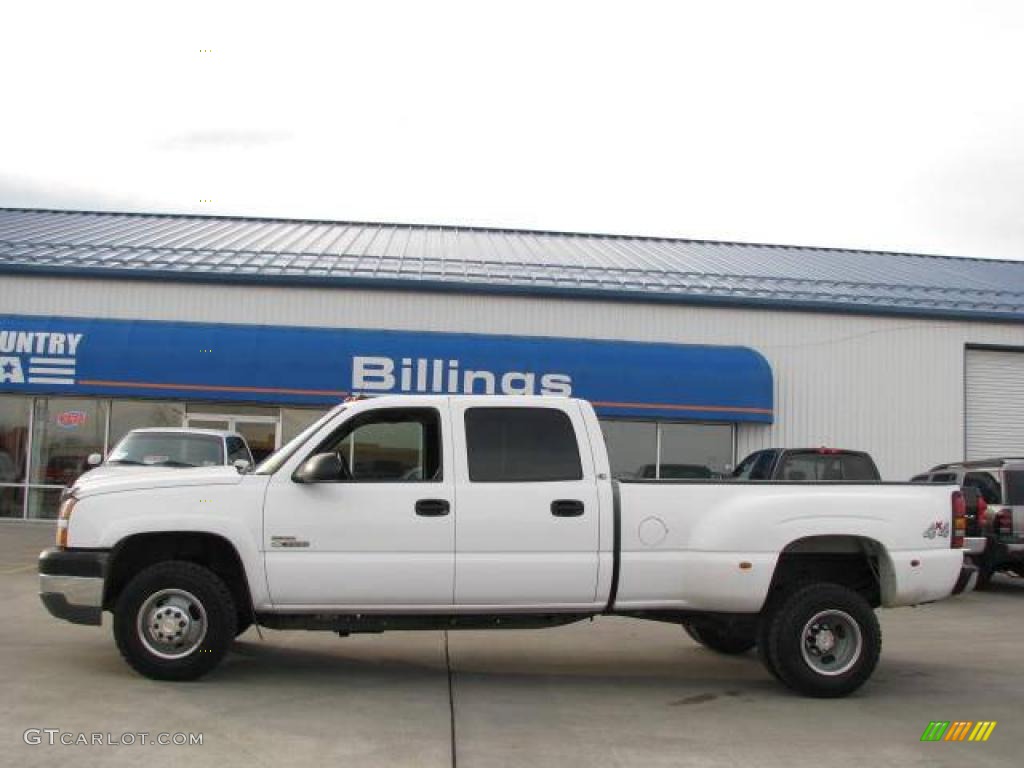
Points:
point(721, 639)
point(762, 647)
point(196, 596)
point(847, 640)
point(985, 574)
point(242, 624)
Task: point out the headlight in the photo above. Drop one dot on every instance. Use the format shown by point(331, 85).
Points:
point(67, 506)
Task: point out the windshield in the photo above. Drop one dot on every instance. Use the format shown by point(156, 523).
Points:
point(273, 462)
point(168, 449)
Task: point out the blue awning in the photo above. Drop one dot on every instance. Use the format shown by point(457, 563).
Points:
point(317, 366)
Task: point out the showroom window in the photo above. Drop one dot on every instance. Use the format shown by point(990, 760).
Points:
point(632, 446)
point(14, 426)
point(668, 450)
point(294, 420)
point(126, 415)
point(45, 442)
point(65, 430)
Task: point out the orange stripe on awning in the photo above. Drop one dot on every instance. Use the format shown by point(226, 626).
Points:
point(212, 388)
point(676, 407)
point(343, 393)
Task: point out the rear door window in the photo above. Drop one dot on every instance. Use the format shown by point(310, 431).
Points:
point(519, 445)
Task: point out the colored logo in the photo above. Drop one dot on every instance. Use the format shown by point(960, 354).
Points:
point(71, 419)
point(958, 730)
point(938, 528)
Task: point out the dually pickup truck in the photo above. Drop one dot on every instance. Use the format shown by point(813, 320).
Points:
point(475, 512)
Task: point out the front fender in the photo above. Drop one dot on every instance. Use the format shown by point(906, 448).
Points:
point(232, 512)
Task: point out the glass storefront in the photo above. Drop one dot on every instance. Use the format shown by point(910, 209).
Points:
point(668, 450)
point(12, 501)
point(126, 415)
point(294, 420)
point(65, 431)
point(15, 414)
point(14, 420)
point(45, 441)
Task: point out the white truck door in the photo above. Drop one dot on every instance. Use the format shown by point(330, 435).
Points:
point(528, 522)
point(383, 536)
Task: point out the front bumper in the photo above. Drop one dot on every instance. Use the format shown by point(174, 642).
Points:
point(71, 584)
point(967, 580)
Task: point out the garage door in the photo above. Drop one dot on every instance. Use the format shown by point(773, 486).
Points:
point(995, 403)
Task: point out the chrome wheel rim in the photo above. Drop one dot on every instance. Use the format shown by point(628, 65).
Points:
point(831, 642)
point(172, 624)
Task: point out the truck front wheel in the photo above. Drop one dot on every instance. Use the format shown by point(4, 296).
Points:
point(722, 639)
point(174, 621)
point(823, 640)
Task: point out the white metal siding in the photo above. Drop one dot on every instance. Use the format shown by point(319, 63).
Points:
point(888, 385)
point(995, 403)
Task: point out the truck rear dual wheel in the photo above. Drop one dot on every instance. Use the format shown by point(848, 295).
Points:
point(821, 640)
point(174, 621)
point(730, 641)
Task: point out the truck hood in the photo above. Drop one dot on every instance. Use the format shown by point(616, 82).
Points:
point(116, 470)
point(144, 478)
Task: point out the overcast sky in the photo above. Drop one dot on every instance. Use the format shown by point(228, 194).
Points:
point(895, 125)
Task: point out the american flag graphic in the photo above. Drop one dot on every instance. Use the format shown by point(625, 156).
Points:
point(51, 370)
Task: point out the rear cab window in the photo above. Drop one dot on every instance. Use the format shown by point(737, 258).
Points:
point(521, 445)
point(831, 466)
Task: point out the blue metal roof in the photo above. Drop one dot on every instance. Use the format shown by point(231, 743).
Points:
point(186, 247)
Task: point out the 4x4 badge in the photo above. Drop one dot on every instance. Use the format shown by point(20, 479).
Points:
point(938, 528)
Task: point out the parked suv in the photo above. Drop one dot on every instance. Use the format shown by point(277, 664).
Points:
point(995, 533)
point(811, 465)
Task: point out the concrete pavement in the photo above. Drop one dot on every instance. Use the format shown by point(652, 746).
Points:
point(609, 692)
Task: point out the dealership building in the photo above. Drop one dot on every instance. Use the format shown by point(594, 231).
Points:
point(694, 353)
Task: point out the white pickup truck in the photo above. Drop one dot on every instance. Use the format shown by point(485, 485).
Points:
point(474, 512)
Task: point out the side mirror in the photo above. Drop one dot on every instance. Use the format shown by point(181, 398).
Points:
point(322, 468)
point(241, 465)
point(94, 459)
